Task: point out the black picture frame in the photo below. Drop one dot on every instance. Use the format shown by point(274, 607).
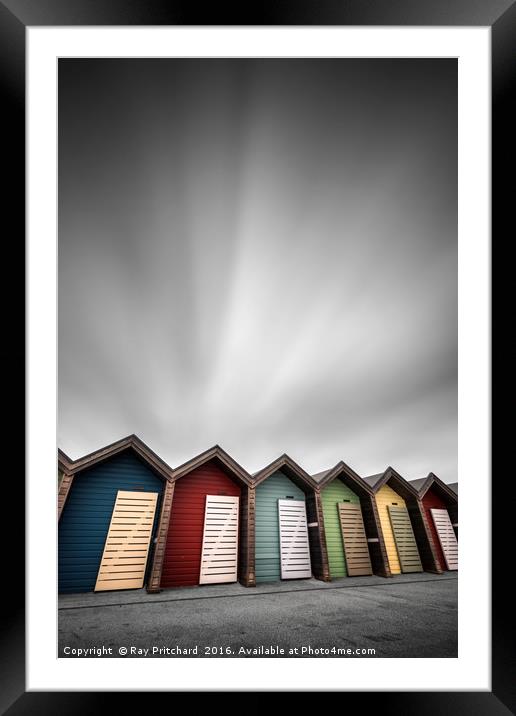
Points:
point(500, 16)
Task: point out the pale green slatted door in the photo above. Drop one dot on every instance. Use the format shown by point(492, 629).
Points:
point(358, 562)
point(406, 545)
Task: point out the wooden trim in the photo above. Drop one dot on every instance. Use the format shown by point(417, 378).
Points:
point(64, 463)
point(247, 557)
point(431, 481)
point(317, 538)
point(325, 575)
point(384, 568)
point(62, 495)
point(131, 442)
point(402, 486)
point(424, 540)
point(154, 581)
point(349, 477)
point(377, 550)
point(291, 469)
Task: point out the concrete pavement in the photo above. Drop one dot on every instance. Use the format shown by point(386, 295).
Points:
point(411, 615)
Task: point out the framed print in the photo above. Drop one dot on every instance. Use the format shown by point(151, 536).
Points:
point(259, 248)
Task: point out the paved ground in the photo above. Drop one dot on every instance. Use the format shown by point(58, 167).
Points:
point(405, 616)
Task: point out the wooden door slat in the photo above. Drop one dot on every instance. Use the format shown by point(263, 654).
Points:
point(219, 554)
point(127, 543)
point(354, 539)
point(294, 543)
point(404, 539)
point(447, 537)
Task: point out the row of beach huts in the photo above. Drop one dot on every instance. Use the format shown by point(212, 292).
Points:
point(127, 521)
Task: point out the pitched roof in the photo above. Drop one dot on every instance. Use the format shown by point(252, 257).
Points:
point(423, 484)
point(319, 476)
point(219, 455)
point(347, 475)
point(131, 442)
point(64, 462)
point(402, 486)
point(284, 463)
point(418, 484)
point(373, 479)
point(454, 486)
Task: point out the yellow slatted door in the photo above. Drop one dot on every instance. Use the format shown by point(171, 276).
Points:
point(358, 562)
point(406, 545)
point(127, 545)
point(385, 497)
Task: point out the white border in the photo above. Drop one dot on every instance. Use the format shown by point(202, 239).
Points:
point(471, 670)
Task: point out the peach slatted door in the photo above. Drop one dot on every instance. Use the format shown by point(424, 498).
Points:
point(447, 538)
point(219, 557)
point(127, 545)
point(354, 538)
point(294, 542)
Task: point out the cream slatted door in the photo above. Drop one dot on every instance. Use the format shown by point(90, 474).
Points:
point(406, 545)
point(354, 538)
point(127, 545)
point(294, 544)
point(447, 538)
point(219, 558)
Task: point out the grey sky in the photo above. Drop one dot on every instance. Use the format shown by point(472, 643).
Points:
point(260, 254)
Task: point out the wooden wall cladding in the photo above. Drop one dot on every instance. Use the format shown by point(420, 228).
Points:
point(316, 534)
point(267, 533)
point(87, 513)
point(246, 557)
point(158, 555)
point(331, 495)
point(63, 492)
point(182, 559)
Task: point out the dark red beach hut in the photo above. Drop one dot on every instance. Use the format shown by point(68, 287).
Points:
point(440, 504)
point(202, 537)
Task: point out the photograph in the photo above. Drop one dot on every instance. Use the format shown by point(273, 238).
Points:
point(257, 379)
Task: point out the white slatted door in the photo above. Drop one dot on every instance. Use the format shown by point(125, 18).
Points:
point(127, 545)
point(294, 544)
point(447, 538)
point(219, 558)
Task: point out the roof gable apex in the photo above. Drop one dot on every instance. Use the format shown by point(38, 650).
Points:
point(284, 463)
point(220, 456)
point(131, 442)
point(342, 470)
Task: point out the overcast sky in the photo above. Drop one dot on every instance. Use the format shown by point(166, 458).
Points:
point(260, 254)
